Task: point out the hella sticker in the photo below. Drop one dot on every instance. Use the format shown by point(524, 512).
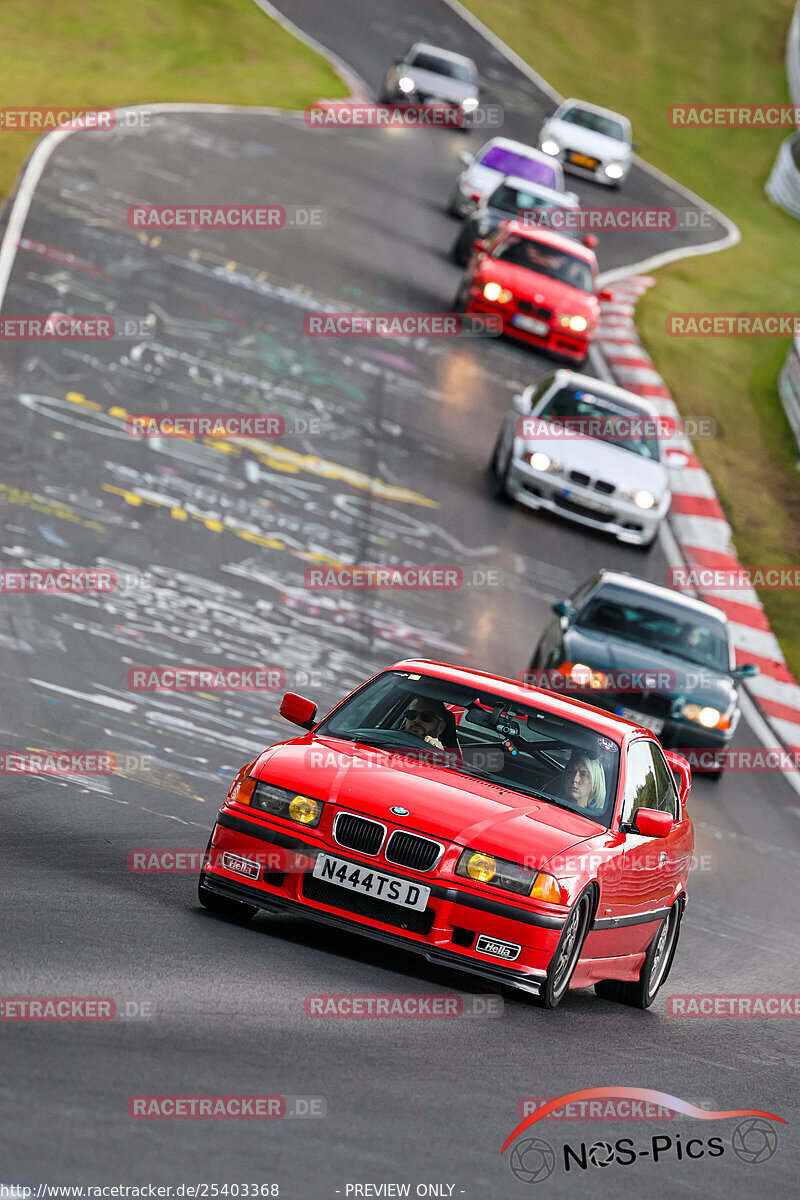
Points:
point(242, 866)
point(607, 744)
point(507, 950)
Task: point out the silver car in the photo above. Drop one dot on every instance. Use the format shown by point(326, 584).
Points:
point(428, 75)
point(587, 451)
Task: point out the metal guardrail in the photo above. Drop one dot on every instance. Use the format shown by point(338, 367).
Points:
point(793, 56)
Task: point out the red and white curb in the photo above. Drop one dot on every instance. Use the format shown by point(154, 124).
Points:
point(698, 522)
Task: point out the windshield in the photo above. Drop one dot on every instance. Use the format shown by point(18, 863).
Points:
point(594, 121)
point(476, 733)
point(510, 163)
point(546, 260)
point(442, 66)
point(679, 633)
point(606, 420)
point(511, 199)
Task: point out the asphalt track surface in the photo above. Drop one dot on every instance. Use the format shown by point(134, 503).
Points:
point(408, 1101)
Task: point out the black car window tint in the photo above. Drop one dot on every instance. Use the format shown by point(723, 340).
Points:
point(667, 796)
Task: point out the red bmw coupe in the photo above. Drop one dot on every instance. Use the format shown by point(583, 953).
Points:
point(542, 284)
point(527, 838)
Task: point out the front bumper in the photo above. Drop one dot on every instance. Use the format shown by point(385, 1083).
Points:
point(595, 173)
point(571, 346)
point(676, 734)
point(612, 514)
point(447, 932)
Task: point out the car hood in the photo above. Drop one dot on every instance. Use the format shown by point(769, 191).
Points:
point(605, 653)
point(604, 460)
point(540, 289)
point(441, 87)
point(441, 803)
point(586, 141)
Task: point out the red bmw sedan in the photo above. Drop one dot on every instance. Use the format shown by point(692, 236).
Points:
point(504, 830)
point(542, 284)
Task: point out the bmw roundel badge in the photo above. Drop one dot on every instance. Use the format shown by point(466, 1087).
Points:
point(398, 811)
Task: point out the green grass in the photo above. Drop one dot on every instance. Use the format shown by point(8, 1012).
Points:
point(640, 60)
point(106, 53)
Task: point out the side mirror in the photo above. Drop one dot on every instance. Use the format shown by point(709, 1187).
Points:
point(522, 403)
point(478, 245)
point(745, 671)
point(589, 240)
point(634, 146)
point(651, 822)
point(465, 157)
point(683, 774)
point(298, 710)
point(563, 609)
point(605, 295)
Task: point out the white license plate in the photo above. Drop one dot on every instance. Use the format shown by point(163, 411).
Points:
point(368, 882)
point(587, 502)
point(531, 325)
point(654, 724)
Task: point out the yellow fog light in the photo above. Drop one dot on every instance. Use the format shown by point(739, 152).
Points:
point(493, 291)
point(304, 810)
point(482, 867)
point(545, 887)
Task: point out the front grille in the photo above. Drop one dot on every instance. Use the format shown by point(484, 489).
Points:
point(583, 510)
point(358, 834)
point(408, 850)
point(579, 477)
point(535, 310)
point(323, 892)
point(601, 485)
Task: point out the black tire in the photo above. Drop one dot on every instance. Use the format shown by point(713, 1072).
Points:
point(460, 251)
point(568, 951)
point(655, 968)
point(234, 910)
point(498, 471)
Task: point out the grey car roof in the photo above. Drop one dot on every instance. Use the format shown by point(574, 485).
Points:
point(441, 53)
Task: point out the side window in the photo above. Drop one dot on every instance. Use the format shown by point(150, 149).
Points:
point(641, 786)
point(667, 796)
point(579, 598)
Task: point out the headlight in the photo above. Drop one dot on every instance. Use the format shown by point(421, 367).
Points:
point(644, 499)
point(470, 104)
point(704, 715)
point(577, 323)
point(511, 877)
point(493, 291)
point(405, 84)
point(613, 171)
point(542, 462)
point(550, 147)
point(283, 802)
point(584, 675)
